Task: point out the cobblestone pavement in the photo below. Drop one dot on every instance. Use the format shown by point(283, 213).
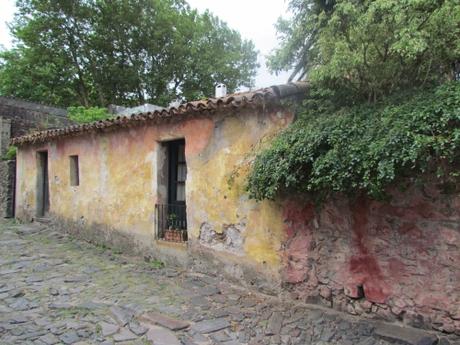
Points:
point(57, 290)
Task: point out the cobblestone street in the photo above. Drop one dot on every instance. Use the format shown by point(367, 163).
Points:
point(57, 290)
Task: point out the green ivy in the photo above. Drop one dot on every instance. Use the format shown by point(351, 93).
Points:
point(362, 148)
point(10, 154)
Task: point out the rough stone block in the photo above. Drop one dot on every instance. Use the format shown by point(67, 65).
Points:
point(210, 326)
point(124, 335)
point(274, 324)
point(163, 320)
point(162, 336)
point(122, 316)
point(108, 328)
point(405, 335)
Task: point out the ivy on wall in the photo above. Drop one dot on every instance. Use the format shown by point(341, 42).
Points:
point(362, 149)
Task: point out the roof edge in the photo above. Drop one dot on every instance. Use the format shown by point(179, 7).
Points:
point(257, 98)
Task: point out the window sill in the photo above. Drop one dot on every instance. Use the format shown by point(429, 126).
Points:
point(170, 244)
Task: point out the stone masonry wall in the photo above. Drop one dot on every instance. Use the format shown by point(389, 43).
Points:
point(7, 181)
point(26, 116)
point(7, 171)
point(18, 117)
point(398, 260)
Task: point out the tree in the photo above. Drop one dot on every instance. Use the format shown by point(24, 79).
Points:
point(379, 109)
point(368, 49)
point(94, 53)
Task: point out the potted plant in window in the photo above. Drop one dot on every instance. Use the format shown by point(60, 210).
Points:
point(173, 234)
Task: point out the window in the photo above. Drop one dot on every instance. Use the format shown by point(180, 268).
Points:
point(181, 173)
point(74, 173)
point(171, 217)
point(177, 172)
point(43, 192)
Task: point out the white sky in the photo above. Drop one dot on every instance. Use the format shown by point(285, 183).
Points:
point(254, 19)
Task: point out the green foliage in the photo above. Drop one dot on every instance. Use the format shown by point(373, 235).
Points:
point(125, 52)
point(364, 148)
point(156, 264)
point(10, 153)
point(84, 115)
point(353, 135)
point(369, 49)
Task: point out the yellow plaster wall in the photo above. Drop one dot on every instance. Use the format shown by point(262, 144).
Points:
point(118, 188)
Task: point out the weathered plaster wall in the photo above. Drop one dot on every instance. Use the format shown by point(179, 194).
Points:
point(119, 186)
point(400, 260)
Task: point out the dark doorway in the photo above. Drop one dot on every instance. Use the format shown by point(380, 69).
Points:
point(177, 172)
point(172, 217)
point(43, 194)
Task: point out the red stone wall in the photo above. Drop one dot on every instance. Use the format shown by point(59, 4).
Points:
point(399, 260)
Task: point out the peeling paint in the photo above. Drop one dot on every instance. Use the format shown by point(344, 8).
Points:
point(230, 239)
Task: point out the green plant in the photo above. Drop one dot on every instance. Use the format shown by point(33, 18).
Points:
point(172, 220)
point(10, 153)
point(364, 148)
point(98, 329)
point(156, 264)
point(84, 115)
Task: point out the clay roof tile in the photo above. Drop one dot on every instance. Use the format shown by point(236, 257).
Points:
point(233, 101)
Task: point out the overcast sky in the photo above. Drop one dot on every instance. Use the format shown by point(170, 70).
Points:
point(252, 18)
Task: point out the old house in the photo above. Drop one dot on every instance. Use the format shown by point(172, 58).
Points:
point(18, 117)
point(171, 184)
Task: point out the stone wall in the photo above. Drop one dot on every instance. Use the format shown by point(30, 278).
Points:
point(398, 260)
point(7, 181)
point(26, 116)
point(18, 117)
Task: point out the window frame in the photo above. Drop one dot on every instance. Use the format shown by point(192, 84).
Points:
point(74, 170)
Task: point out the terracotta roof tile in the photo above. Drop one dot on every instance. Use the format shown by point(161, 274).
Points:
point(270, 95)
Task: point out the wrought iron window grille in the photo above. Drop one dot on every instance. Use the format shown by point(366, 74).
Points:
point(171, 222)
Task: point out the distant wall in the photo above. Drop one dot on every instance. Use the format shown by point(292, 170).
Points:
point(18, 117)
point(7, 182)
point(25, 115)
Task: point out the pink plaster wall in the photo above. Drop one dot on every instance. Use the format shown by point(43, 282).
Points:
point(399, 260)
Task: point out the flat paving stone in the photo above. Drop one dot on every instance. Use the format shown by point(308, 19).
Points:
point(108, 329)
point(137, 329)
point(124, 335)
point(209, 326)
point(69, 337)
point(17, 319)
point(275, 323)
point(162, 336)
point(49, 339)
point(165, 321)
point(122, 316)
point(409, 336)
